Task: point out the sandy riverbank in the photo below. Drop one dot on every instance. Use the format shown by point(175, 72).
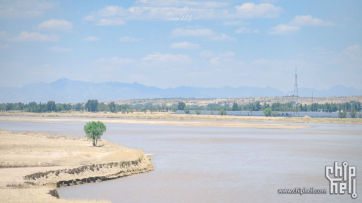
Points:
point(181, 117)
point(33, 164)
point(160, 122)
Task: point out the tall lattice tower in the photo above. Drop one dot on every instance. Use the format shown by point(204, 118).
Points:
point(296, 85)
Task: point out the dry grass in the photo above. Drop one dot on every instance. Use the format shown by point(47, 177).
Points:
point(30, 153)
point(37, 149)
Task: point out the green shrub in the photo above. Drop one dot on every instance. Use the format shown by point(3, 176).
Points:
point(267, 112)
point(187, 110)
point(274, 113)
point(342, 114)
point(222, 112)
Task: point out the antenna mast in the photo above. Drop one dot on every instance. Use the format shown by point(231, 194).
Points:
point(296, 85)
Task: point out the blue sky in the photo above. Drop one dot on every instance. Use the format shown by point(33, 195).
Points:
point(174, 43)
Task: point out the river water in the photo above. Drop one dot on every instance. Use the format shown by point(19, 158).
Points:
point(206, 164)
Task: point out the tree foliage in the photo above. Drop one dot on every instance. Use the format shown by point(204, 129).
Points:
point(112, 107)
point(181, 105)
point(222, 112)
point(92, 105)
point(353, 113)
point(94, 130)
point(51, 106)
point(342, 114)
point(187, 110)
point(274, 113)
point(235, 107)
point(267, 112)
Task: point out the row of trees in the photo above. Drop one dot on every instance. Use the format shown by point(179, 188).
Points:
point(95, 106)
point(90, 106)
point(257, 106)
point(35, 107)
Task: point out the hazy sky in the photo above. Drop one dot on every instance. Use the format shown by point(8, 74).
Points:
point(170, 43)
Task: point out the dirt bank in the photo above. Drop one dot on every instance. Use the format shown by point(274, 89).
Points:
point(181, 117)
point(201, 123)
point(33, 165)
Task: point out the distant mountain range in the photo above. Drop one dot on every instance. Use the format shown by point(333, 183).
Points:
point(68, 91)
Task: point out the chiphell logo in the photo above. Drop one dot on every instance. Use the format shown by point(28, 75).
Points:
point(342, 179)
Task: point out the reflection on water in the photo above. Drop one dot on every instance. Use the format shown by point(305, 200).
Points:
point(203, 164)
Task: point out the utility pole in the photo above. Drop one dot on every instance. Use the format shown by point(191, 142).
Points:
point(296, 85)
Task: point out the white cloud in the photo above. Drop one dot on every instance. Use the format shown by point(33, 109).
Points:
point(110, 11)
point(55, 25)
point(215, 61)
point(284, 30)
point(227, 23)
point(246, 30)
point(294, 26)
point(353, 51)
point(24, 8)
point(222, 58)
point(223, 37)
point(35, 37)
point(184, 45)
point(168, 10)
point(5, 46)
point(264, 10)
point(206, 54)
point(196, 33)
point(89, 18)
point(60, 49)
point(157, 57)
point(129, 39)
point(91, 38)
point(353, 48)
point(177, 3)
point(108, 22)
point(308, 20)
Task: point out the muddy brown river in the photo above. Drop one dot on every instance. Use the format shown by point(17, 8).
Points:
point(206, 164)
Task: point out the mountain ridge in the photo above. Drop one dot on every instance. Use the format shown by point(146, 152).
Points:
point(70, 91)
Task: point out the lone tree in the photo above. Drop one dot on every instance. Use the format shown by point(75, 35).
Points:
point(94, 130)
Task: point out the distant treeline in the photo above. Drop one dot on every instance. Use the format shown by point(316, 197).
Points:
point(95, 106)
point(257, 106)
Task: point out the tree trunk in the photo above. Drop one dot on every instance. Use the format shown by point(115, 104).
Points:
point(94, 143)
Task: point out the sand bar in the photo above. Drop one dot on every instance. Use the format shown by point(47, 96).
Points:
point(33, 165)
